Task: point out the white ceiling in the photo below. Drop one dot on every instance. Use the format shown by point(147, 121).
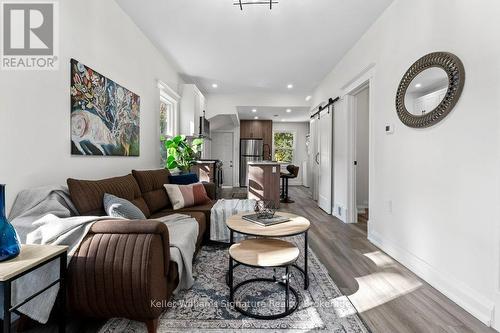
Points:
point(257, 49)
point(297, 114)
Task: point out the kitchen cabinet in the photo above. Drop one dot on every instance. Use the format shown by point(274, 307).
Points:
point(192, 106)
point(258, 129)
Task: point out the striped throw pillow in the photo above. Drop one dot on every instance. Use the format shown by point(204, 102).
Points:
point(182, 196)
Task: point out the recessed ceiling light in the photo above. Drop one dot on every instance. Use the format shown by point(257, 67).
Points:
point(254, 110)
point(255, 117)
point(283, 119)
point(418, 85)
point(215, 85)
point(289, 86)
point(308, 98)
point(288, 110)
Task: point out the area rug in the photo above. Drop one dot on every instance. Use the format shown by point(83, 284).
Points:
point(206, 308)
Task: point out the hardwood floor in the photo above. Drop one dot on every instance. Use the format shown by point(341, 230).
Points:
point(388, 297)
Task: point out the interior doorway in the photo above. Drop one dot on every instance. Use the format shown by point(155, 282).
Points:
point(362, 169)
point(223, 150)
point(358, 96)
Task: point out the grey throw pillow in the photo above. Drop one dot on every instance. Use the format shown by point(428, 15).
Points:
point(118, 207)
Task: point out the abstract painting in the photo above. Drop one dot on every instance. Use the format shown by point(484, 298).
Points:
point(104, 115)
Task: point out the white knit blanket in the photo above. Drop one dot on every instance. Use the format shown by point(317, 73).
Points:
point(221, 211)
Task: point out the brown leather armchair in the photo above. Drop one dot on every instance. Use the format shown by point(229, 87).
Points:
point(123, 269)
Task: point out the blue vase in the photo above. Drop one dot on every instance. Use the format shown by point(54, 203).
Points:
point(9, 242)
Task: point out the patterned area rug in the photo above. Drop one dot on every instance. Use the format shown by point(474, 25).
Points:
point(206, 307)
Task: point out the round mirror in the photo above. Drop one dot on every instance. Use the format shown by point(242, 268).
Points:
point(430, 89)
point(426, 91)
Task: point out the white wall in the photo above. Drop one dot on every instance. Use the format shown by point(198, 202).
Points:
point(442, 182)
point(35, 106)
point(300, 154)
point(362, 141)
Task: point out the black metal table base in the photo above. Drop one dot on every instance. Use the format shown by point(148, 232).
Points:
point(300, 269)
point(8, 308)
point(288, 310)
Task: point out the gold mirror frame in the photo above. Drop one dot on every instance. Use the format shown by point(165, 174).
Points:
point(453, 67)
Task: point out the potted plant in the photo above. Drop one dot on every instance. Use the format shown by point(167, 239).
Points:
point(181, 154)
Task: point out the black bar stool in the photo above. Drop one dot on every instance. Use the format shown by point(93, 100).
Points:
point(293, 172)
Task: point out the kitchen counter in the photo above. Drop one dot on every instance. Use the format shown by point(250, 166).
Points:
point(264, 181)
point(263, 163)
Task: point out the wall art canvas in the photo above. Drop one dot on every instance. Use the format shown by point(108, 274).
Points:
point(104, 115)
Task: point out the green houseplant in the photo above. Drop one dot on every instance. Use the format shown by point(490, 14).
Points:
point(181, 154)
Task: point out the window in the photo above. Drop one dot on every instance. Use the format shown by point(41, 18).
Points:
point(284, 146)
point(169, 112)
point(165, 117)
point(169, 101)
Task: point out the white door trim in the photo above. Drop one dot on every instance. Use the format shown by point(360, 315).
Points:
point(358, 83)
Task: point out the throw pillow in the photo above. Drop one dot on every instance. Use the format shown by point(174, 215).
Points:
point(118, 207)
point(184, 179)
point(182, 196)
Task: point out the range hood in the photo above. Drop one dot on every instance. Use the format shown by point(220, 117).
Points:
point(204, 131)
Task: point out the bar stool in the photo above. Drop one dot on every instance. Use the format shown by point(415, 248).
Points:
point(264, 253)
point(293, 172)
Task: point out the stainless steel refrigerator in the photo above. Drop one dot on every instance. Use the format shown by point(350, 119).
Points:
point(250, 150)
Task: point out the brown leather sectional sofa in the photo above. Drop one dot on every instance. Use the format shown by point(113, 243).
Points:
point(123, 268)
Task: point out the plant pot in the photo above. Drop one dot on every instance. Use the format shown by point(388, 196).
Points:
point(9, 241)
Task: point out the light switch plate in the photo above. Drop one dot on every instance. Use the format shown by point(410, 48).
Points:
point(389, 128)
point(274, 169)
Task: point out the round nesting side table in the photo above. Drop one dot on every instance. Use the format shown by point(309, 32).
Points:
point(264, 253)
point(296, 226)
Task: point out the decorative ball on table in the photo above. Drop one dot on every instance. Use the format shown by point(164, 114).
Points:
point(265, 209)
point(9, 241)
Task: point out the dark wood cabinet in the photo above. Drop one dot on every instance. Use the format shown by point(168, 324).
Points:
point(258, 129)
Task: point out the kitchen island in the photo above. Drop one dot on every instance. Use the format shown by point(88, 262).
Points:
point(264, 181)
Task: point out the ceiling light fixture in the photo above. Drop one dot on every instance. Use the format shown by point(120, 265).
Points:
point(215, 85)
point(242, 3)
point(288, 110)
point(254, 110)
point(308, 98)
point(289, 86)
point(255, 117)
point(283, 119)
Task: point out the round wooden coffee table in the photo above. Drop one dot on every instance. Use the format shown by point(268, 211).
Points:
point(296, 226)
point(263, 253)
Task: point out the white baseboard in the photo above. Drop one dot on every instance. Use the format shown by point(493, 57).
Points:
point(457, 291)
